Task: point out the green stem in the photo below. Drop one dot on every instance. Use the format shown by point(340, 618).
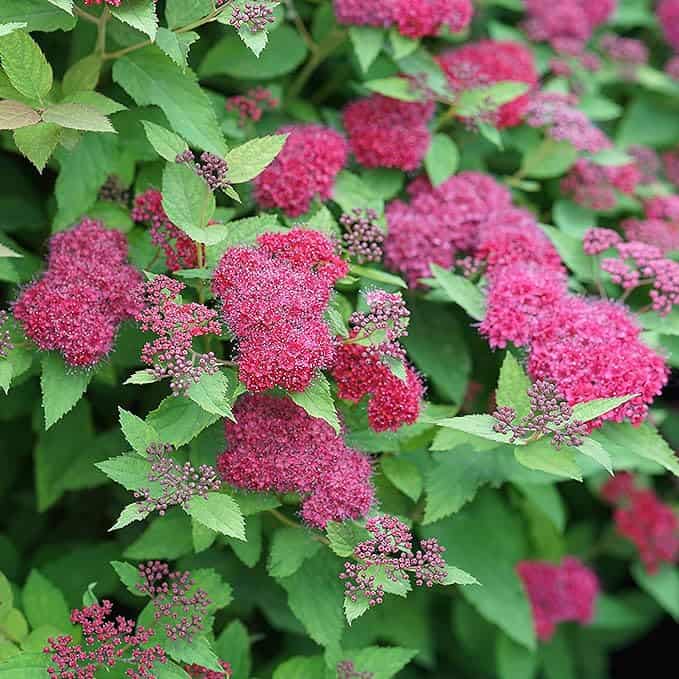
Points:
point(335, 39)
point(101, 31)
point(85, 15)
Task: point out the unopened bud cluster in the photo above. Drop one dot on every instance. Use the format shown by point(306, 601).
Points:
point(362, 238)
point(209, 166)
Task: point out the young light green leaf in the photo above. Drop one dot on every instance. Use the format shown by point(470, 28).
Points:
point(404, 474)
point(489, 98)
point(140, 14)
point(25, 65)
point(597, 452)
point(401, 45)
point(43, 603)
point(66, 5)
point(167, 144)
point(461, 291)
point(139, 434)
point(290, 547)
point(129, 576)
point(248, 160)
point(25, 666)
point(377, 275)
point(456, 576)
point(6, 29)
point(395, 88)
point(77, 117)
point(345, 536)
point(176, 45)
point(219, 513)
point(130, 514)
point(62, 387)
point(14, 114)
point(590, 410)
point(130, 471)
point(367, 42)
point(512, 386)
point(542, 456)
point(255, 41)
point(442, 159)
point(478, 425)
point(145, 376)
point(317, 401)
point(81, 76)
point(211, 393)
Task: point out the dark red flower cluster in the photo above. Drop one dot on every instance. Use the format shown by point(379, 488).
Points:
point(390, 551)
point(412, 18)
point(177, 602)
point(568, 25)
point(385, 132)
point(85, 294)
point(670, 160)
point(594, 186)
point(253, 15)
point(252, 104)
point(274, 445)
point(644, 520)
point(171, 354)
point(307, 166)
point(274, 297)
point(559, 593)
point(668, 16)
point(180, 251)
point(200, 672)
point(485, 62)
point(106, 644)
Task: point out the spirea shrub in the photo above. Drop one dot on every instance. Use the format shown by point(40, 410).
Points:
point(338, 338)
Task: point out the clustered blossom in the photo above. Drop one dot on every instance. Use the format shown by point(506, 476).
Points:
point(387, 314)
point(210, 167)
point(273, 299)
point(670, 160)
point(306, 167)
point(390, 552)
point(274, 445)
point(87, 291)
point(644, 520)
point(647, 161)
point(179, 250)
point(6, 344)
point(251, 105)
point(594, 186)
point(412, 18)
point(106, 644)
point(363, 238)
point(660, 226)
point(668, 16)
point(347, 670)
point(200, 672)
point(485, 62)
point(253, 15)
point(549, 415)
point(114, 191)
point(568, 25)
point(559, 593)
point(176, 324)
point(564, 122)
point(178, 483)
point(627, 53)
point(386, 132)
point(113, 3)
point(597, 240)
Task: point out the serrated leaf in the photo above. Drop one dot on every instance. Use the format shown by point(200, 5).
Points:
point(140, 14)
point(590, 410)
point(14, 114)
point(139, 434)
point(249, 160)
point(129, 576)
point(167, 537)
point(25, 65)
point(377, 275)
point(404, 474)
point(345, 536)
point(176, 45)
point(66, 5)
point(442, 159)
point(317, 401)
point(219, 513)
point(255, 41)
point(178, 420)
point(461, 291)
point(456, 576)
point(81, 76)
point(367, 42)
point(77, 117)
point(478, 425)
point(62, 387)
point(541, 455)
point(145, 376)
point(130, 471)
point(37, 15)
point(512, 387)
point(395, 88)
point(130, 514)
point(290, 547)
point(597, 452)
point(167, 144)
point(43, 603)
point(212, 394)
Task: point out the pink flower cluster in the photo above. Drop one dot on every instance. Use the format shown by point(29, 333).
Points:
point(200, 672)
point(627, 53)
point(390, 550)
point(412, 18)
point(274, 445)
point(644, 520)
point(670, 160)
point(559, 593)
point(209, 166)
point(660, 227)
point(179, 250)
point(177, 602)
point(106, 644)
point(87, 291)
point(668, 16)
point(307, 166)
point(485, 62)
point(176, 324)
point(251, 105)
point(647, 161)
point(274, 297)
point(564, 122)
point(385, 132)
point(594, 186)
point(567, 26)
point(253, 15)
point(672, 68)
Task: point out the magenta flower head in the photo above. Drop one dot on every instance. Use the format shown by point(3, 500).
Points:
point(307, 166)
point(559, 593)
point(200, 672)
point(385, 132)
point(86, 292)
point(486, 62)
point(273, 300)
point(274, 445)
point(594, 186)
point(597, 240)
point(668, 16)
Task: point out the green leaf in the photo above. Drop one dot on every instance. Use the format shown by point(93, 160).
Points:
point(62, 387)
point(140, 14)
point(188, 202)
point(665, 325)
point(198, 651)
point(294, 668)
point(461, 291)
point(547, 499)
point(169, 670)
point(129, 576)
point(573, 218)
point(317, 401)
point(590, 410)
point(290, 547)
point(377, 275)
point(145, 376)
point(5, 375)
point(512, 386)
point(549, 159)
point(77, 117)
point(367, 42)
point(345, 536)
point(255, 41)
point(167, 144)
point(570, 250)
point(66, 5)
point(315, 596)
point(6, 29)
point(14, 114)
point(404, 474)
point(25, 666)
point(151, 78)
point(203, 537)
point(178, 420)
point(351, 191)
point(181, 12)
point(442, 159)
point(38, 15)
point(543, 456)
point(513, 660)
point(234, 643)
point(249, 550)
point(401, 45)
point(167, 537)
point(130, 514)
point(381, 662)
point(95, 100)
point(456, 576)
point(610, 157)
point(6, 595)
point(478, 425)
point(597, 452)
point(25, 65)
point(176, 45)
point(44, 604)
point(473, 101)
point(663, 586)
point(130, 471)
point(501, 598)
point(219, 513)
point(83, 75)
point(395, 88)
point(230, 56)
point(138, 433)
point(248, 160)
point(213, 395)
